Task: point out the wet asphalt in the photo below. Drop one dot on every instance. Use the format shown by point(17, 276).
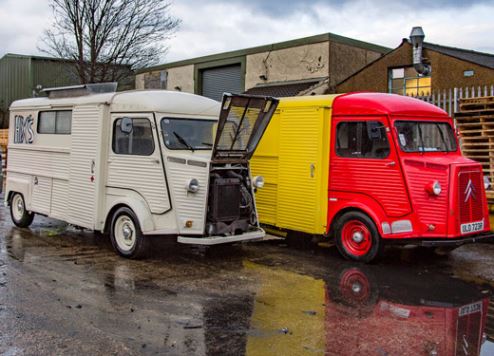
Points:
point(65, 292)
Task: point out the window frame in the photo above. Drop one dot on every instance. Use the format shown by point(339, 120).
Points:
point(405, 78)
point(114, 126)
point(55, 126)
point(455, 140)
point(183, 119)
point(362, 122)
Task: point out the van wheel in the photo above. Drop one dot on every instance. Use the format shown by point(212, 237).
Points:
point(126, 235)
point(357, 237)
point(20, 216)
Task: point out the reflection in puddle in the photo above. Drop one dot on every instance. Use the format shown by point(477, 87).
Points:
point(366, 311)
point(256, 299)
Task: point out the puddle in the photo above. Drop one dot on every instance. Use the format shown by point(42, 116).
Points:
point(255, 299)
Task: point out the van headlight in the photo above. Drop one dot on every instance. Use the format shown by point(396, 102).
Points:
point(258, 181)
point(487, 183)
point(434, 188)
point(192, 185)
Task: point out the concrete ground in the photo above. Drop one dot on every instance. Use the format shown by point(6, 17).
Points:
point(65, 292)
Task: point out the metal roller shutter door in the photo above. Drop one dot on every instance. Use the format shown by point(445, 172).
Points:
point(216, 81)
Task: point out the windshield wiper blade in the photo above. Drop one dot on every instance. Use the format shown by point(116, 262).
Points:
point(183, 141)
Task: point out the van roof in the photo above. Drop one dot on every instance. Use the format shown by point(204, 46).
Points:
point(366, 103)
point(132, 101)
point(383, 104)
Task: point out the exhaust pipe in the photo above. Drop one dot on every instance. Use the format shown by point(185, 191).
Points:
point(417, 38)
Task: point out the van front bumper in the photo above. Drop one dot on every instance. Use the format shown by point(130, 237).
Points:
point(484, 237)
point(216, 240)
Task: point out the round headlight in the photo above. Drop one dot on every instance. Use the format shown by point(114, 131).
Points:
point(436, 188)
point(258, 181)
point(192, 185)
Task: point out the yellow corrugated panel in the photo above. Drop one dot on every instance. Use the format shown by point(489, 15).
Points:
point(265, 163)
point(296, 147)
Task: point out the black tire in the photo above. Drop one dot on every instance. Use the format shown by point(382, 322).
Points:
point(347, 227)
point(132, 246)
point(20, 216)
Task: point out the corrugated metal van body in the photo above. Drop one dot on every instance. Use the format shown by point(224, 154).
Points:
point(86, 121)
point(293, 157)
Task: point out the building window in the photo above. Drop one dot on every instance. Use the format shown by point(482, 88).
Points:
point(55, 122)
point(406, 81)
point(138, 142)
point(362, 139)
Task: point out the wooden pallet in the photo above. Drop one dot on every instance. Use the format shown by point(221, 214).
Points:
point(485, 103)
point(475, 122)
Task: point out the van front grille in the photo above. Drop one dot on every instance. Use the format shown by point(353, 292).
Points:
point(470, 196)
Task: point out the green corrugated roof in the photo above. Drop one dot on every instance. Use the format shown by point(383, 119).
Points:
point(271, 47)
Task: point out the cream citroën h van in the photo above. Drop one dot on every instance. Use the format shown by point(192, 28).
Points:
point(138, 163)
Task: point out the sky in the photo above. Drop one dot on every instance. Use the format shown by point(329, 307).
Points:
point(214, 26)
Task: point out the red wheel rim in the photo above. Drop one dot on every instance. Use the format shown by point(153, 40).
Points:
point(354, 286)
point(356, 238)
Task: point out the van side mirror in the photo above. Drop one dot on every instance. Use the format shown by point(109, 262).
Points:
point(126, 125)
point(374, 130)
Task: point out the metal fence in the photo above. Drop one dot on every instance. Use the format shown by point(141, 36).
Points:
point(448, 99)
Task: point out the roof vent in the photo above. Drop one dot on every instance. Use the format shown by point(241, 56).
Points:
point(80, 90)
point(417, 38)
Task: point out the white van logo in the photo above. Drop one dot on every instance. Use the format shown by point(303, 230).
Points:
point(470, 191)
point(23, 129)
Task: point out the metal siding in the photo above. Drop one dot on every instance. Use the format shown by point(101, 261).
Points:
point(216, 81)
point(143, 175)
point(14, 80)
point(85, 148)
point(301, 144)
point(265, 163)
point(52, 73)
point(44, 163)
point(59, 199)
point(188, 206)
point(41, 197)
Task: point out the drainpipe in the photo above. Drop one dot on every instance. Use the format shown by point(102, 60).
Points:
point(417, 38)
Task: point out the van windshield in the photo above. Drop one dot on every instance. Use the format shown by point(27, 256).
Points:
point(425, 136)
point(188, 134)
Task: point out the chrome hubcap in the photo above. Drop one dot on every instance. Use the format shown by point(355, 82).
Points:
point(127, 232)
point(17, 207)
point(125, 236)
point(358, 237)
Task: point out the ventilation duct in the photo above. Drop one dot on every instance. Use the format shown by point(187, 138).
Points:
point(417, 38)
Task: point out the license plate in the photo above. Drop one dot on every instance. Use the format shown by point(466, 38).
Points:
point(470, 309)
point(472, 227)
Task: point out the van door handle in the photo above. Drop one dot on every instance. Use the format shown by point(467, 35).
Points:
point(390, 164)
point(312, 170)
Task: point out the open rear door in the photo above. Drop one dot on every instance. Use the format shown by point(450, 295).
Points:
point(243, 120)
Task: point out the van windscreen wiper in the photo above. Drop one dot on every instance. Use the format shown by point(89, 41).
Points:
point(183, 141)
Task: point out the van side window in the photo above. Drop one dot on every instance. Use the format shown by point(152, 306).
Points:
point(55, 122)
point(136, 140)
point(362, 139)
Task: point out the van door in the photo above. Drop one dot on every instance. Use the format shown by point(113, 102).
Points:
point(135, 162)
point(364, 161)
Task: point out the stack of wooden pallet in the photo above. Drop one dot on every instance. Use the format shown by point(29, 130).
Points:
point(475, 122)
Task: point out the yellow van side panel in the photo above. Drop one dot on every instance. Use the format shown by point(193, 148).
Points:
point(265, 163)
point(293, 157)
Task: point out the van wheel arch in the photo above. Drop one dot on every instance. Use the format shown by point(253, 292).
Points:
point(357, 236)
point(342, 212)
point(109, 217)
